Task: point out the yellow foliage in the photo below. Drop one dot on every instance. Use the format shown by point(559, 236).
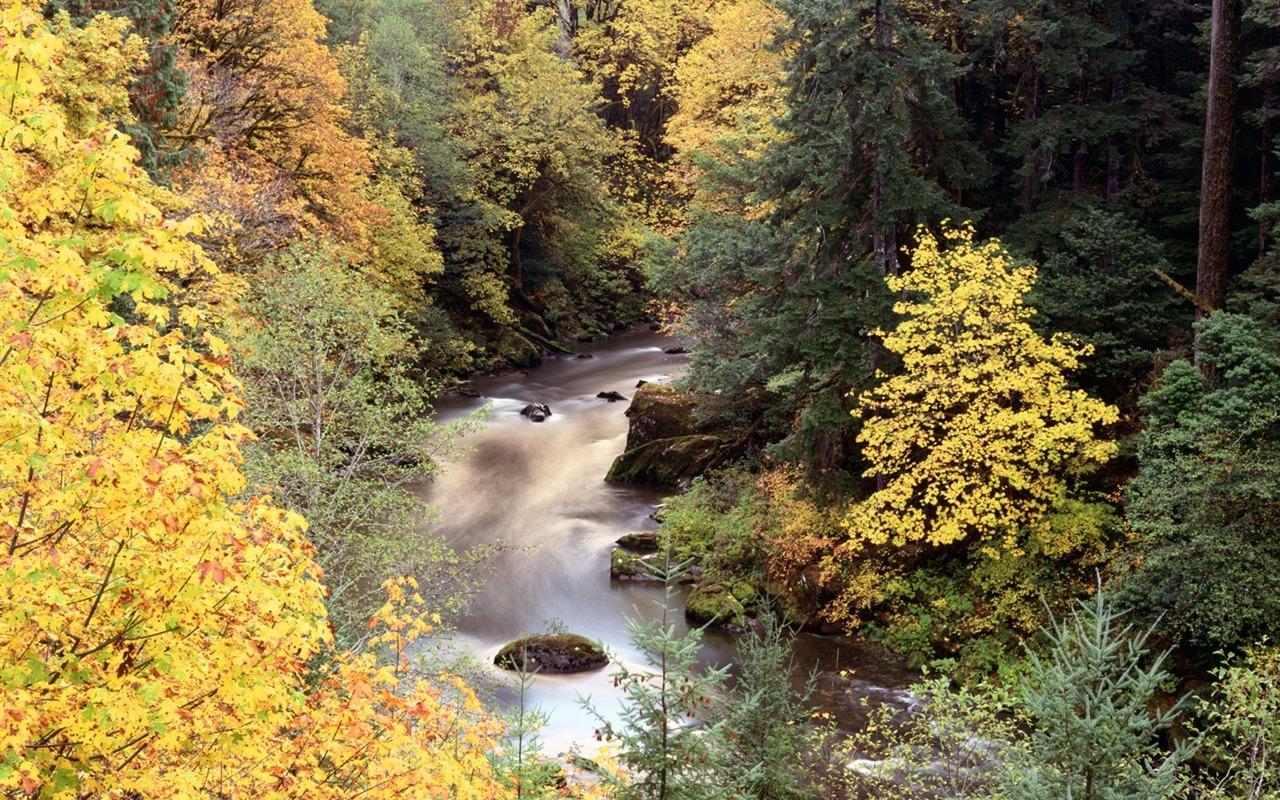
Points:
point(728, 92)
point(263, 102)
point(976, 435)
point(154, 635)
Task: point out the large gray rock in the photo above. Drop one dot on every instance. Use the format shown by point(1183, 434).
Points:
point(552, 653)
point(660, 412)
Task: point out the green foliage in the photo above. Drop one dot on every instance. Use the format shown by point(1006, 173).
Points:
point(1206, 504)
point(664, 734)
point(953, 742)
point(1089, 699)
point(766, 718)
point(519, 763)
point(1240, 739)
point(344, 432)
point(714, 523)
point(1097, 282)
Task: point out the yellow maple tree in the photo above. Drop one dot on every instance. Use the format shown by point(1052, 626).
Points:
point(974, 439)
point(158, 639)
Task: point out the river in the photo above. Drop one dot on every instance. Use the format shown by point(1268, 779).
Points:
point(539, 488)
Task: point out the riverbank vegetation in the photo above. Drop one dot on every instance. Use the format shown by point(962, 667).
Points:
point(981, 300)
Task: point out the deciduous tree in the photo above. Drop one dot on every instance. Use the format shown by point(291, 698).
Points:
point(975, 439)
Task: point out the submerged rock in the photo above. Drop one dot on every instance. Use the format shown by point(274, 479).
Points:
point(552, 653)
point(536, 411)
point(612, 397)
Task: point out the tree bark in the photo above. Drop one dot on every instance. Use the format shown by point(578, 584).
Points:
point(1219, 137)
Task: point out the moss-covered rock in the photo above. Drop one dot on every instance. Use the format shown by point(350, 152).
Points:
point(629, 566)
point(665, 463)
point(640, 542)
point(553, 653)
point(746, 594)
point(660, 412)
point(714, 604)
point(518, 350)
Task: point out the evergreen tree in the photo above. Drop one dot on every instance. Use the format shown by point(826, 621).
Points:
point(665, 738)
point(1089, 699)
point(155, 91)
point(1206, 501)
point(765, 719)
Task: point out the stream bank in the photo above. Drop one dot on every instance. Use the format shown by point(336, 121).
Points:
point(539, 488)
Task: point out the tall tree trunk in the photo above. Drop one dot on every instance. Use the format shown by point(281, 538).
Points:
point(1219, 138)
point(1077, 146)
point(567, 23)
point(1029, 112)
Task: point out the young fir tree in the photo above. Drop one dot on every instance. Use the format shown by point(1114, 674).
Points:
point(666, 742)
point(1089, 698)
point(767, 719)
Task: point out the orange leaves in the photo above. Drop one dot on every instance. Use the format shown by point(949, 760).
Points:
point(211, 570)
point(264, 102)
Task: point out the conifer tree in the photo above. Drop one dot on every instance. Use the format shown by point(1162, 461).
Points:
point(663, 734)
point(1089, 699)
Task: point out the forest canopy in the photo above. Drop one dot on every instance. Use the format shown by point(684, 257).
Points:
point(980, 299)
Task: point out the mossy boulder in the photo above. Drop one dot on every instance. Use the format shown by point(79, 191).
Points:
point(518, 350)
point(640, 542)
point(628, 566)
point(666, 463)
point(552, 653)
point(746, 594)
point(660, 412)
point(714, 604)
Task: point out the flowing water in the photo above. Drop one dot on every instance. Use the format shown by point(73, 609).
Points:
point(539, 488)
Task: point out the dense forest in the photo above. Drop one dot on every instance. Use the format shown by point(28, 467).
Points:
point(981, 300)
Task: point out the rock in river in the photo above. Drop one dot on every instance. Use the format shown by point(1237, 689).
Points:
point(552, 653)
point(640, 542)
point(714, 604)
point(536, 411)
point(612, 397)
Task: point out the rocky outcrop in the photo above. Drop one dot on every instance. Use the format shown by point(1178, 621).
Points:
point(627, 566)
point(552, 653)
point(640, 542)
point(660, 412)
point(799, 600)
point(666, 463)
